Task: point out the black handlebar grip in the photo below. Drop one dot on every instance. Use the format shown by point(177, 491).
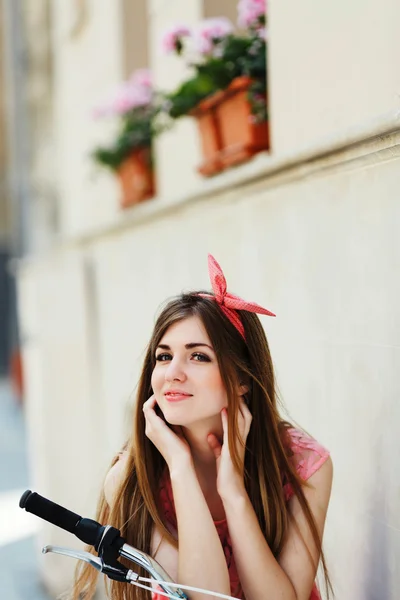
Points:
point(24, 498)
point(86, 530)
point(49, 511)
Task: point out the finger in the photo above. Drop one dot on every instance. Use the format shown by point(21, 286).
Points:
point(214, 444)
point(152, 419)
point(150, 403)
point(245, 411)
point(149, 409)
point(241, 416)
point(244, 419)
point(224, 417)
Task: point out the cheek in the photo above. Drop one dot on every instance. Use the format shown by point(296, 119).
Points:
point(156, 379)
point(216, 384)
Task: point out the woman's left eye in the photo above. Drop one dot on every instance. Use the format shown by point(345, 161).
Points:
point(201, 357)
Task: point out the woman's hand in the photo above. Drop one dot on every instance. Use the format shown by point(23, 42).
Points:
point(170, 442)
point(229, 479)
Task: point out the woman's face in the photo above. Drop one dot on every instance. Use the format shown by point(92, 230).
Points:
point(186, 379)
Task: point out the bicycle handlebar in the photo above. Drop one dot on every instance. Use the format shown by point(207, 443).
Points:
point(87, 530)
point(109, 544)
point(106, 540)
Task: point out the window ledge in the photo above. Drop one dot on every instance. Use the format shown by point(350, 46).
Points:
point(380, 136)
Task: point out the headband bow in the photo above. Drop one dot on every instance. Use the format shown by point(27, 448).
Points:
point(229, 303)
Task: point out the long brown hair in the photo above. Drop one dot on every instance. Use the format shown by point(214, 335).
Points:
point(267, 459)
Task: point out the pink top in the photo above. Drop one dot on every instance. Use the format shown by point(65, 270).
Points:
point(308, 457)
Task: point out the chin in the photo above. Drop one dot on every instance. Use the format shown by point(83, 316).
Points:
point(189, 419)
point(174, 419)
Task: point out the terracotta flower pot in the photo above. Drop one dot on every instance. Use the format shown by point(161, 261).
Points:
point(241, 137)
point(136, 178)
point(210, 135)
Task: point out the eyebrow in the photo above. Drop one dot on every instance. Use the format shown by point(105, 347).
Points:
point(187, 346)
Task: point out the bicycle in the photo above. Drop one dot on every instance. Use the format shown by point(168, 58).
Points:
point(109, 545)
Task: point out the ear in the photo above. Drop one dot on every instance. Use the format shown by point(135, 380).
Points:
point(243, 389)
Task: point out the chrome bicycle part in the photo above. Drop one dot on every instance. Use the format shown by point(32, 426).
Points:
point(156, 571)
point(94, 561)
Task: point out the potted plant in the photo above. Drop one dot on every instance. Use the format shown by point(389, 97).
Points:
point(136, 105)
point(227, 91)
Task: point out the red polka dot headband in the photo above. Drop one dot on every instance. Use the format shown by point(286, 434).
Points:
point(229, 303)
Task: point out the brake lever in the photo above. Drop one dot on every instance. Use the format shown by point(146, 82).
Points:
point(98, 563)
point(117, 571)
point(94, 561)
point(127, 575)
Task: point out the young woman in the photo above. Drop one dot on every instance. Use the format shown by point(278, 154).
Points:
point(220, 490)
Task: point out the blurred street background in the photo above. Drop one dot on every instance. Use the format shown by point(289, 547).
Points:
point(19, 574)
point(138, 136)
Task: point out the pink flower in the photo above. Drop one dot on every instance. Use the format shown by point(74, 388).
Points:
point(134, 93)
point(216, 28)
point(203, 45)
point(250, 12)
point(262, 33)
point(173, 36)
point(142, 77)
point(210, 31)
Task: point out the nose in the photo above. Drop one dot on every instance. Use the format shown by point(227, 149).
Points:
point(175, 371)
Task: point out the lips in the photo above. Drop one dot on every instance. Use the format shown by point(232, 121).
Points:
point(176, 396)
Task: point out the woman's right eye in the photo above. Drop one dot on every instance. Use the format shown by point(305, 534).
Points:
point(163, 357)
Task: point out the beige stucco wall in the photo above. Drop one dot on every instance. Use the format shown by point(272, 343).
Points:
point(323, 255)
point(310, 231)
point(331, 68)
point(86, 67)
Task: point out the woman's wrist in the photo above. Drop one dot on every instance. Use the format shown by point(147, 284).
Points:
point(183, 467)
point(235, 499)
